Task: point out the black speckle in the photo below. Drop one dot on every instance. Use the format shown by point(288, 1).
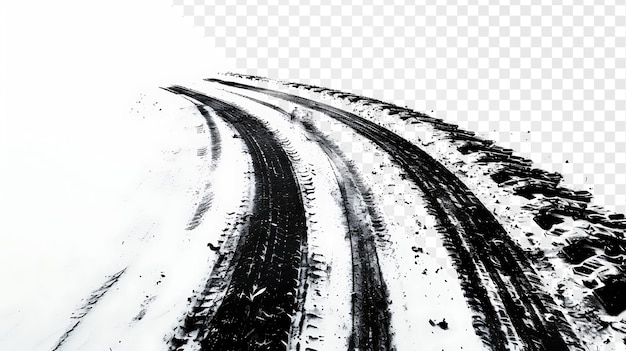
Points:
point(443, 324)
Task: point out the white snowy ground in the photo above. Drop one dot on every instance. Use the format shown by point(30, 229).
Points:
point(140, 225)
point(88, 186)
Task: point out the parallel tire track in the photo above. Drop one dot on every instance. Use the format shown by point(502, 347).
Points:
point(370, 310)
point(256, 312)
point(472, 234)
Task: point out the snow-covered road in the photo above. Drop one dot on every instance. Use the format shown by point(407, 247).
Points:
point(359, 225)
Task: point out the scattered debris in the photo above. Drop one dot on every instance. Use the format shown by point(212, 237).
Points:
point(443, 324)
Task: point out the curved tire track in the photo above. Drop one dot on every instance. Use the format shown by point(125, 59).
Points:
point(216, 147)
point(256, 312)
point(370, 310)
point(473, 235)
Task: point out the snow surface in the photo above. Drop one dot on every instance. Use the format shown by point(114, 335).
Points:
point(88, 158)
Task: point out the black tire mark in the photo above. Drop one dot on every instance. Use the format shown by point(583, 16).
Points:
point(95, 296)
point(216, 146)
point(370, 310)
point(216, 140)
point(203, 306)
point(256, 312)
point(143, 308)
point(472, 235)
point(204, 303)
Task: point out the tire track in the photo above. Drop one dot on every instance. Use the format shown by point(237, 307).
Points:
point(257, 309)
point(95, 296)
point(216, 146)
point(473, 236)
point(204, 302)
point(370, 311)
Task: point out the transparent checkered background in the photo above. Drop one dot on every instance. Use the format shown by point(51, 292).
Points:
point(547, 80)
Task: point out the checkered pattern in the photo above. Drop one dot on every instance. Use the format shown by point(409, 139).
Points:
point(547, 80)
